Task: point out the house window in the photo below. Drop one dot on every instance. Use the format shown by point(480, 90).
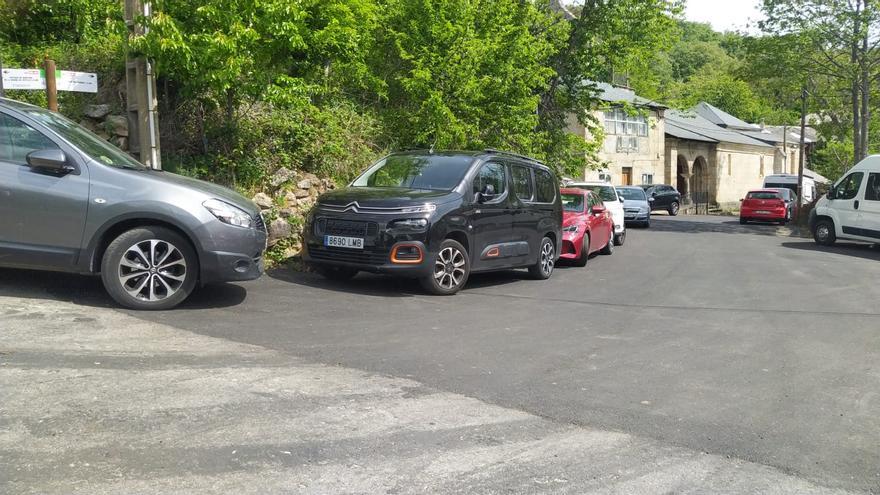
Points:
point(618, 122)
point(627, 144)
point(647, 179)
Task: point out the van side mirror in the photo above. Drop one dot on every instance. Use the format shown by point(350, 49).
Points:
point(830, 194)
point(53, 160)
point(487, 194)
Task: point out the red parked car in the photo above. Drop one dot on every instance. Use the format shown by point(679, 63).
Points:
point(764, 205)
point(587, 226)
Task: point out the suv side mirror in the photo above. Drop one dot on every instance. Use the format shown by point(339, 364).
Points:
point(487, 194)
point(53, 160)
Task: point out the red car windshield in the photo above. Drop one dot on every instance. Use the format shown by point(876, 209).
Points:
point(573, 202)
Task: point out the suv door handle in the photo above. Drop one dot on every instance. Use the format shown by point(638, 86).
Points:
point(856, 204)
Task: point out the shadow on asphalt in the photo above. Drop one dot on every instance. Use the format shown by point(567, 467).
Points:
point(368, 284)
point(724, 227)
point(89, 291)
point(857, 250)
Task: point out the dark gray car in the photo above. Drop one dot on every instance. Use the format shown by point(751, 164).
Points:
point(70, 201)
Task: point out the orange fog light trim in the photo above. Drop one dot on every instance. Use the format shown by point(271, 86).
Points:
point(395, 260)
point(493, 253)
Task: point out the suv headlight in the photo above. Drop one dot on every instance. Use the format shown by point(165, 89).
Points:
point(425, 208)
point(570, 228)
point(229, 214)
point(417, 224)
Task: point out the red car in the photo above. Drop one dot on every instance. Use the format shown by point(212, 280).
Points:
point(587, 226)
point(764, 205)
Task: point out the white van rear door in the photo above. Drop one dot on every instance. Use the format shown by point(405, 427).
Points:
point(869, 209)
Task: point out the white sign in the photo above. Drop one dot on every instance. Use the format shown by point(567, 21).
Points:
point(84, 82)
point(23, 79)
point(65, 80)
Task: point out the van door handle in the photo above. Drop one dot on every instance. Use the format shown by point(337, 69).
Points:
point(856, 204)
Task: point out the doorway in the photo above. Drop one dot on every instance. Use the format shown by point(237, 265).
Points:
point(626, 176)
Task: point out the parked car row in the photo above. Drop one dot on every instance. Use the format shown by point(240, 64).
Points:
point(439, 216)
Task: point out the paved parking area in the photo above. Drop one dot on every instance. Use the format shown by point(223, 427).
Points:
point(703, 356)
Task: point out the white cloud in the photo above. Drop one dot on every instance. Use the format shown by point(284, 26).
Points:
point(725, 15)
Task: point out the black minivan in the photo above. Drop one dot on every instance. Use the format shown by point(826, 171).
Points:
point(438, 216)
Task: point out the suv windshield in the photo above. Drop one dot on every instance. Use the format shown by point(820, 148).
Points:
point(606, 193)
point(632, 194)
point(573, 202)
point(433, 172)
point(90, 144)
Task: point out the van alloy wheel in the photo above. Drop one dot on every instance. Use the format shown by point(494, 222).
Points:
point(449, 268)
point(547, 258)
point(152, 270)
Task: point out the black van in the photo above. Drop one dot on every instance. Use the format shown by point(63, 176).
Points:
point(438, 216)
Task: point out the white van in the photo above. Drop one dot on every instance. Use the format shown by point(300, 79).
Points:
point(790, 181)
point(851, 209)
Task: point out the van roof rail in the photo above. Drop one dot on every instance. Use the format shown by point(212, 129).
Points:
point(510, 153)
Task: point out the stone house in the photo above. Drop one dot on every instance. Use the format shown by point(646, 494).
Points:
point(633, 148)
point(709, 155)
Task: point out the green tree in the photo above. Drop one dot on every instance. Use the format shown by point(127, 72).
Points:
point(844, 42)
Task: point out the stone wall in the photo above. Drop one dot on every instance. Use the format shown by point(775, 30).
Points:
point(285, 203)
point(100, 120)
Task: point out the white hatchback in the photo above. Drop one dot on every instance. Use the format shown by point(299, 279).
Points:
point(613, 203)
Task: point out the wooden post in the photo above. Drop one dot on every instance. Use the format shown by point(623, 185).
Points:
point(142, 104)
point(51, 87)
point(800, 186)
point(2, 91)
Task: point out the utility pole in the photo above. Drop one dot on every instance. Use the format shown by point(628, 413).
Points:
point(2, 91)
point(800, 187)
point(140, 82)
point(51, 84)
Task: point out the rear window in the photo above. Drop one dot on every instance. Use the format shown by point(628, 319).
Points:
point(632, 194)
point(546, 186)
point(763, 195)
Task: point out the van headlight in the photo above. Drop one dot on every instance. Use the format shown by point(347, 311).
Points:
point(414, 224)
point(229, 214)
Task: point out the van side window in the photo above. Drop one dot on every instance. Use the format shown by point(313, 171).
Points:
point(546, 186)
point(849, 187)
point(522, 182)
point(493, 174)
point(873, 191)
point(17, 139)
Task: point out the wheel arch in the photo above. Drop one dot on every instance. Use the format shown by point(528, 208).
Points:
point(114, 228)
point(460, 237)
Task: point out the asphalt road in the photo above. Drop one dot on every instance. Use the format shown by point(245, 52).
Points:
point(699, 333)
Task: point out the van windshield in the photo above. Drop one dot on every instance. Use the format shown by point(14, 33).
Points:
point(84, 140)
point(432, 172)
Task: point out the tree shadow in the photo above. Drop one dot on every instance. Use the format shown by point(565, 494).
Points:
point(732, 226)
point(853, 249)
point(85, 290)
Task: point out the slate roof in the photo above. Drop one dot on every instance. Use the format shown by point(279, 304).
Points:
point(693, 126)
point(721, 118)
point(615, 94)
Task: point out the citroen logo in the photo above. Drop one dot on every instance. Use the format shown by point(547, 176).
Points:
point(353, 206)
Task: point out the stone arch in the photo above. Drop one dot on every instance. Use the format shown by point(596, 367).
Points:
point(700, 182)
point(683, 174)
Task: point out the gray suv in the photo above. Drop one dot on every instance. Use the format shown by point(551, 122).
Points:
point(70, 201)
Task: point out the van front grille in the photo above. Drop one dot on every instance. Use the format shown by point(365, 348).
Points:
point(346, 228)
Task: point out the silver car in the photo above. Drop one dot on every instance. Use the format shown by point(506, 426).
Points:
point(636, 205)
point(70, 201)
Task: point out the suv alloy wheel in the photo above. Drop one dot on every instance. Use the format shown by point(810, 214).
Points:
point(450, 270)
point(149, 268)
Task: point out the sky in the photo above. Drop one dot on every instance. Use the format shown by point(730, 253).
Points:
point(724, 15)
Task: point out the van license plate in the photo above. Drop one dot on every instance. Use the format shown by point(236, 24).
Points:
point(344, 242)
